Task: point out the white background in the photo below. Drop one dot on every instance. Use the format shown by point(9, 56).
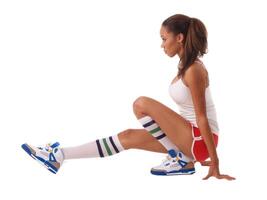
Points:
point(70, 71)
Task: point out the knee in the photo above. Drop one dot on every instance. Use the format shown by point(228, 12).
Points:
point(140, 103)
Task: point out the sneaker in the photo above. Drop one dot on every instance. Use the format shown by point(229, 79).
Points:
point(50, 156)
point(172, 165)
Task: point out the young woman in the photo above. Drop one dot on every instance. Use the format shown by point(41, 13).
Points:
point(187, 137)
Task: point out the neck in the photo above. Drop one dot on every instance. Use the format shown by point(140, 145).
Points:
point(180, 52)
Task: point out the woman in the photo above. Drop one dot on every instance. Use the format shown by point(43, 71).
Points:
point(187, 137)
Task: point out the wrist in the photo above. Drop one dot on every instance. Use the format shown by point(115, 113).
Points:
point(214, 161)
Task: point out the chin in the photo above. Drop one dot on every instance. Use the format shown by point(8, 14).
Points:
point(172, 55)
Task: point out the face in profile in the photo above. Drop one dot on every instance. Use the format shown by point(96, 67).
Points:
point(170, 42)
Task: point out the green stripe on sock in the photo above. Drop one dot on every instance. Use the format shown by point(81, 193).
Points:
point(107, 148)
point(155, 130)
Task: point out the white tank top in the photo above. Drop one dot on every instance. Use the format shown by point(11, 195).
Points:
point(181, 94)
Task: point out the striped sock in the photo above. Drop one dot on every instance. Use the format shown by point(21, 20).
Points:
point(109, 146)
point(152, 127)
point(99, 148)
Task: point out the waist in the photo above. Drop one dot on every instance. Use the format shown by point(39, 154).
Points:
point(190, 115)
point(189, 108)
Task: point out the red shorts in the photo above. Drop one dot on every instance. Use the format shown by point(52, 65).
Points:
point(199, 148)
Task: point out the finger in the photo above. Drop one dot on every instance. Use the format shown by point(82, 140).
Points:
point(227, 177)
point(230, 178)
point(207, 177)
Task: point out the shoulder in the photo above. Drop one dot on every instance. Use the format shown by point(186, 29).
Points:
point(195, 74)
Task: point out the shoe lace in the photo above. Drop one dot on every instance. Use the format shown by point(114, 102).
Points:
point(48, 147)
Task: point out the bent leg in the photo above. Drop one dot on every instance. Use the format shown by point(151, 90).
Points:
point(175, 127)
point(141, 139)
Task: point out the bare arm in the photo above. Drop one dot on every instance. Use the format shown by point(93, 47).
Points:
point(195, 78)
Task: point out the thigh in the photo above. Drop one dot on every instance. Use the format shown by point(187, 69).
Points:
point(177, 129)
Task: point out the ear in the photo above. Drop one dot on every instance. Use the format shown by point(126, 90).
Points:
point(180, 38)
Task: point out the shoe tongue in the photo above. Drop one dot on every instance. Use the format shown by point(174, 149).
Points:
point(172, 153)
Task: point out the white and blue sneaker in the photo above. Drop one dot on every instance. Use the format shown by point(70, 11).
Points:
point(172, 165)
point(50, 156)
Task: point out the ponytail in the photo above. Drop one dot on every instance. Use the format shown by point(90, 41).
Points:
point(195, 44)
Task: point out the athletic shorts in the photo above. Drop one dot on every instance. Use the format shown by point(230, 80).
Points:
point(199, 148)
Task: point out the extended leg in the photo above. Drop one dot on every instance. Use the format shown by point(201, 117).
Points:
point(128, 139)
point(52, 155)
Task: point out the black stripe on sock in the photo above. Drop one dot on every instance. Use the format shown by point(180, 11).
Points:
point(160, 136)
point(113, 144)
point(149, 123)
point(99, 148)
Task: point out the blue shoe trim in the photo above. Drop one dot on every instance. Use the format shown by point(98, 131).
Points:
point(172, 153)
point(56, 144)
point(41, 159)
point(51, 171)
point(52, 158)
point(47, 163)
point(186, 171)
point(158, 173)
point(182, 163)
point(25, 148)
point(177, 172)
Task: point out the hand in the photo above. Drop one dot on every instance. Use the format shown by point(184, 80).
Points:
point(214, 171)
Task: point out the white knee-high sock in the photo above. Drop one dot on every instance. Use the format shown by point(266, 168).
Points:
point(153, 128)
point(98, 148)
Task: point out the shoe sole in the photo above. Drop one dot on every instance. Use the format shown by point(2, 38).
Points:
point(179, 172)
point(40, 160)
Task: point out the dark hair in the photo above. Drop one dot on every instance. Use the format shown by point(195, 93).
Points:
point(195, 38)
